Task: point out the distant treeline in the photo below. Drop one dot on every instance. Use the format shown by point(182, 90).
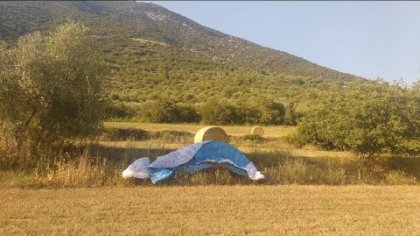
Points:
point(366, 118)
point(211, 112)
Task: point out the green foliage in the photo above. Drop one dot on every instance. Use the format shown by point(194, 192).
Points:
point(367, 120)
point(219, 113)
point(162, 111)
point(290, 115)
point(269, 112)
point(50, 87)
point(113, 110)
point(187, 113)
point(256, 111)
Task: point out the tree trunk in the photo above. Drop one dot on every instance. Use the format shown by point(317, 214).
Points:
point(22, 136)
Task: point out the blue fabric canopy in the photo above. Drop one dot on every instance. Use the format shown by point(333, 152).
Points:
point(194, 158)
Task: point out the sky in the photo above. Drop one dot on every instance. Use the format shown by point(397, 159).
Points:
point(368, 39)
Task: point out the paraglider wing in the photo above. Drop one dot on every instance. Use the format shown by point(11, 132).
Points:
point(201, 156)
point(165, 166)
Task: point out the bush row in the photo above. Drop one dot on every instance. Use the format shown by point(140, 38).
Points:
point(367, 120)
point(211, 112)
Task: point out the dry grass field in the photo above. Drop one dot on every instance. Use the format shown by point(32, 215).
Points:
point(212, 210)
point(101, 162)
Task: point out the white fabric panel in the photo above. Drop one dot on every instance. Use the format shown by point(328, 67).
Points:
point(137, 169)
point(176, 158)
point(253, 173)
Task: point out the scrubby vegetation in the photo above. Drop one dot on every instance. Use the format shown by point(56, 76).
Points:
point(368, 120)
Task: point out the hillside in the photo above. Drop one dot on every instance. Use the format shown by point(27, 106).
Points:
point(154, 53)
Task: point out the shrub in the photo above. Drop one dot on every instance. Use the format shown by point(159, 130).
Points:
point(115, 97)
point(271, 113)
point(377, 118)
point(50, 88)
point(218, 113)
point(162, 111)
point(117, 111)
point(187, 113)
point(290, 115)
point(261, 111)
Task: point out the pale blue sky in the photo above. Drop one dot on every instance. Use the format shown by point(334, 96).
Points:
point(369, 39)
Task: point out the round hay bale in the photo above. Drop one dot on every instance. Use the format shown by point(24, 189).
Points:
point(211, 133)
point(257, 130)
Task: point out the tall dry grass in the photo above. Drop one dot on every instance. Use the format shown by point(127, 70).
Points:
point(100, 163)
point(79, 172)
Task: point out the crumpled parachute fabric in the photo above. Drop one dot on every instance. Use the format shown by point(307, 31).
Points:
point(193, 158)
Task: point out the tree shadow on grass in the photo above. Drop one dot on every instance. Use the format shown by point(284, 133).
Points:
point(408, 165)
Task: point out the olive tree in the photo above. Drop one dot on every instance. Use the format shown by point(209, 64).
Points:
point(50, 87)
